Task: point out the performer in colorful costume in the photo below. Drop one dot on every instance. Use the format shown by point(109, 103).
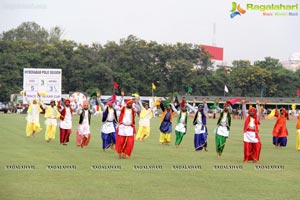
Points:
point(144, 122)
point(83, 131)
point(223, 129)
point(110, 120)
point(180, 129)
point(65, 125)
point(125, 131)
point(201, 132)
point(252, 143)
point(33, 116)
point(166, 124)
point(298, 133)
point(51, 115)
point(280, 131)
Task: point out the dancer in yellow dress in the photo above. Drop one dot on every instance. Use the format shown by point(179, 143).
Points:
point(51, 115)
point(144, 123)
point(33, 116)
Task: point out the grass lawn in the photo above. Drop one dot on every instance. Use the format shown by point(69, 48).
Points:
point(164, 182)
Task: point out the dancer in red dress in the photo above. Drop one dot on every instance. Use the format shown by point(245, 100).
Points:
point(126, 130)
point(252, 143)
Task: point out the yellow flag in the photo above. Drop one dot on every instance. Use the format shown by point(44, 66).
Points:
point(135, 95)
point(272, 113)
point(157, 103)
point(294, 106)
point(43, 94)
point(153, 86)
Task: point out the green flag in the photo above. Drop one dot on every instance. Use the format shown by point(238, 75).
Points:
point(93, 94)
point(214, 106)
point(190, 90)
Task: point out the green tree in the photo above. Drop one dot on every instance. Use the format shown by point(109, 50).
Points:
point(55, 34)
point(241, 63)
point(249, 81)
point(29, 31)
point(269, 63)
point(134, 64)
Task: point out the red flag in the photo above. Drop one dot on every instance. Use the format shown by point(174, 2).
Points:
point(298, 92)
point(233, 101)
point(116, 85)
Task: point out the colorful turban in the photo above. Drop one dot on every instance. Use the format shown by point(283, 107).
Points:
point(182, 104)
point(252, 110)
point(283, 112)
point(129, 101)
point(167, 103)
point(109, 103)
point(67, 101)
point(112, 101)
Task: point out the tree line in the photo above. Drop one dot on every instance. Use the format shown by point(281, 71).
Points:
point(135, 64)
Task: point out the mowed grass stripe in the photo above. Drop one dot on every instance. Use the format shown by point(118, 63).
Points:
point(128, 183)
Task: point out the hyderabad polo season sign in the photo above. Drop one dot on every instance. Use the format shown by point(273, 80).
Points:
point(46, 81)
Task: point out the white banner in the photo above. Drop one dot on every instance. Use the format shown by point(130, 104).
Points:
point(42, 80)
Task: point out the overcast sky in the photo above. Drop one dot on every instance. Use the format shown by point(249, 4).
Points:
point(251, 36)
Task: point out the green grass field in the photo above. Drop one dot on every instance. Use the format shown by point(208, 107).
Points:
point(128, 183)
